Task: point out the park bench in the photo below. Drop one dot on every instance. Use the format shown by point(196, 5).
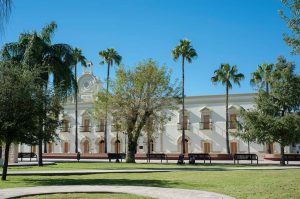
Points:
point(27, 155)
point(200, 156)
point(291, 157)
point(157, 156)
point(115, 156)
point(245, 156)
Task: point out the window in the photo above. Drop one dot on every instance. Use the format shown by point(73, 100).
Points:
point(205, 122)
point(183, 121)
point(86, 125)
point(65, 126)
point(232, 121)
point(101, 125)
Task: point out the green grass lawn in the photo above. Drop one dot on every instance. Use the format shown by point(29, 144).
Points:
point(239, 184)
point(86, 195)
point(104, 165)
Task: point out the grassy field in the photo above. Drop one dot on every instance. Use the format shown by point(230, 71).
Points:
point(104, 165)
point(239, 184)
point(86, 195)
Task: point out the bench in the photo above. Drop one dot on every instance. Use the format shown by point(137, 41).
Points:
point(116, 156)
point(27, 155)
point(200, 156)
point(157, 156)
point(245, 156)
point(291, 157)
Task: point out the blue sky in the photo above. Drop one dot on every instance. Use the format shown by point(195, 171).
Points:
point(243, 33)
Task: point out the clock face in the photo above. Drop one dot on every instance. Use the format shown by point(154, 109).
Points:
point(86, 84)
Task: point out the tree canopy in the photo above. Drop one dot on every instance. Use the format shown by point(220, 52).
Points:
point(275, 117)
point(138, 94)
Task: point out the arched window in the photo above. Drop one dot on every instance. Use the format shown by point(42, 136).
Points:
point(86, 147)
point(101, 146)
point(205, 122)
point(65, 126)
point(183, 121)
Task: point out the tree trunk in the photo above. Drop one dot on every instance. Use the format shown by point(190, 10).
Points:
point(269, 151)
point(282, 160)
point(105, 127)
point(130, 158)
point(227, 136)
point(45, 147)
point(182, 119)
point(76, 112)
point(40, 152)
point(5, 166)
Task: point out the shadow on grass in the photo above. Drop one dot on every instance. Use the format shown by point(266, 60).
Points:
point(124, 182)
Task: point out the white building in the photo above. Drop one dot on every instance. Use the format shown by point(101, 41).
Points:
point(204, 123)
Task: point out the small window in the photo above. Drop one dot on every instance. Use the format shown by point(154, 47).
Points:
point(141, 147)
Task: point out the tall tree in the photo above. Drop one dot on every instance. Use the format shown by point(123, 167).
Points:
point(262, 77)
point(186, 51)
point(227, 74)
point(137, 94)
point(20, 107)
point(275, 117)
point(36, 50)
point(109, 56)
point(78, 58)
point(292, 20)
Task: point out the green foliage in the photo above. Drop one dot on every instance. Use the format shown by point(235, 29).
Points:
point(184, 49)
point(292, 20)
point(225, 74)
point(137, 95)
point(262, 77)
point(275, 117)
point(110, 56)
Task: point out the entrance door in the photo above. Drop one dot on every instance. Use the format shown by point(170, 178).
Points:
point(66, 147)
point(186, 146)
point(151, 146)
point(101, 146)
point(270, 148)
point(206, 146)
point(50, 147)
point(117, 146)
point(233, 147)
point(86, 147)
point(33, 148)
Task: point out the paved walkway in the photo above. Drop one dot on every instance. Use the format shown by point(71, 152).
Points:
point(156, 192)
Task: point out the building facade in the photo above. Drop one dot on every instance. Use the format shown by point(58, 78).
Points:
point(204, 124)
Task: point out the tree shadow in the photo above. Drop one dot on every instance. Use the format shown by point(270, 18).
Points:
point(124, 182)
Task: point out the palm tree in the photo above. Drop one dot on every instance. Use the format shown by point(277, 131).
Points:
point(262, 77)
point(36, 50)
point(78, 58)
point(225, 74)
point(109, 56)
point(186, 51)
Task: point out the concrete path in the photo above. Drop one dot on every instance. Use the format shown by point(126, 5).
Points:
point(155, 192)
